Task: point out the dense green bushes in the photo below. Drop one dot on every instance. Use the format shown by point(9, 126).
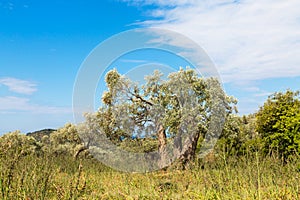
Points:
point(274, 129)
point(278, 123)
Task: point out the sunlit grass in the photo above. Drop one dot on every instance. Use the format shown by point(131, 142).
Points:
point(246, 177)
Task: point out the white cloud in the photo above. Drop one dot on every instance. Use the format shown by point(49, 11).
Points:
point(159, 2)
point(19, 86)
point(7, 5)
point(248, 40)
point(263, 94)
point(9, 104)
point(133, 61)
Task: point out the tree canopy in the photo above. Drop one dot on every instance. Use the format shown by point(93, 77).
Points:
point(278, 123)
point(178, 109)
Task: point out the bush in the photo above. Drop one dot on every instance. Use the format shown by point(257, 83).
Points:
point(278, 123)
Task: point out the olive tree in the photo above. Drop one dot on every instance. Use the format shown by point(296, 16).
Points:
point(66, 141)
point(15, 145)
point(175, 111)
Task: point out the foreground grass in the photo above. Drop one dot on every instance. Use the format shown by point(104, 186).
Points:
point(248, 177)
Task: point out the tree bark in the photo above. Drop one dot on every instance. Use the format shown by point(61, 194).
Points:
point(184, 149)
point(162, 142)
point(189, 148)
point(81, 149)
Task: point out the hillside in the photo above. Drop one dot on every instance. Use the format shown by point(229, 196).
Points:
point(38, 135)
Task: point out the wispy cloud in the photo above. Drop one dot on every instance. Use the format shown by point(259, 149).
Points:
point(248, 40)
point(19, 86)
point(133, 61)
point(159, 2)
point(263, 94)
point(7, 5)
point(10, 104)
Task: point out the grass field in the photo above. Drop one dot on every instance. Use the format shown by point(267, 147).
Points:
point(246, 177)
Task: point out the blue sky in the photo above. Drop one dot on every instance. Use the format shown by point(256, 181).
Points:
point(254, 44)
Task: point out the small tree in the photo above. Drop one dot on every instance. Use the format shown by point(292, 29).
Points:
point(239, 135)
point(278, 123)
point(66, 141)
point(16, 145)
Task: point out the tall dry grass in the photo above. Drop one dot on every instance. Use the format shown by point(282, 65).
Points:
point(217, 177)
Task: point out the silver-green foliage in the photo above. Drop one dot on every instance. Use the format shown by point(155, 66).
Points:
point(180, 107)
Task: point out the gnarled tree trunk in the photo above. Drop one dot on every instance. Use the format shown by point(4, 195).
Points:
point(189, 146)
point(162, 147)
point(184, 149)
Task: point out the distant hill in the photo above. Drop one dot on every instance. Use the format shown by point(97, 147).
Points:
point(38, 135)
